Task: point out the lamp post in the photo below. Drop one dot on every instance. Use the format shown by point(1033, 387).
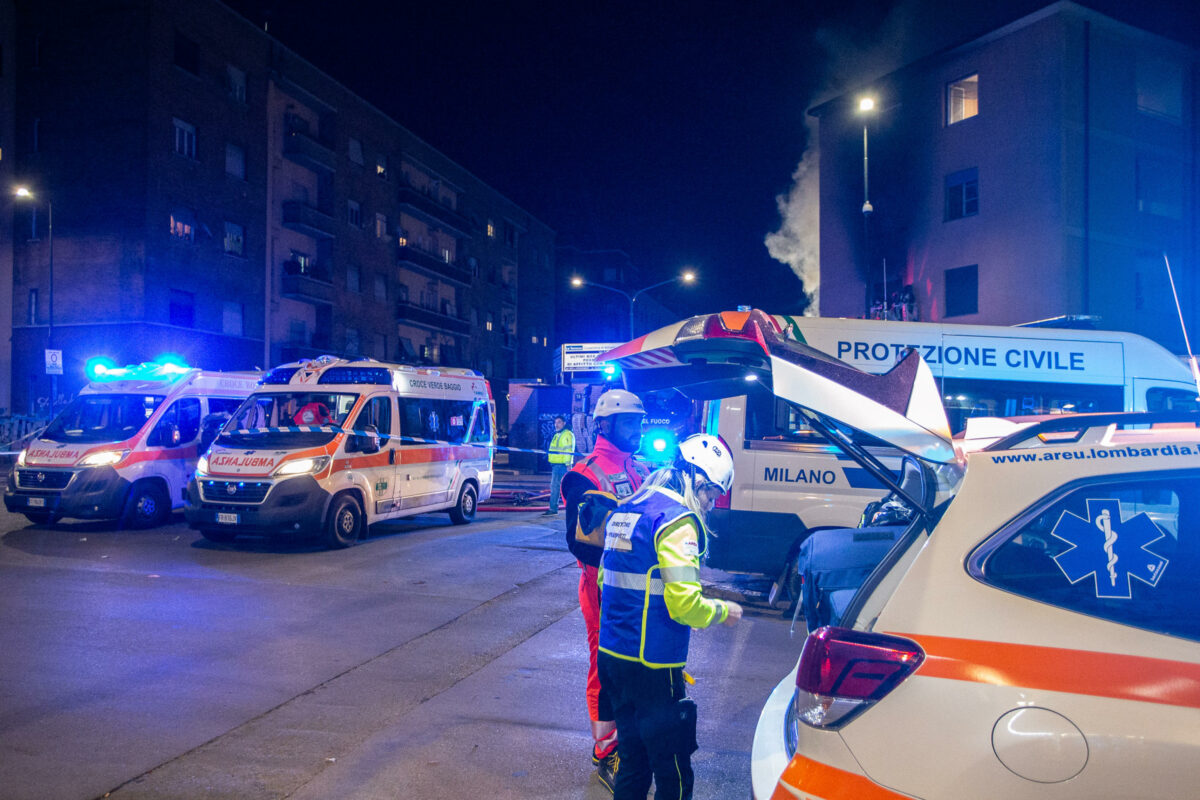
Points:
point(865, 106)
point(25, 193)
point(687, 276)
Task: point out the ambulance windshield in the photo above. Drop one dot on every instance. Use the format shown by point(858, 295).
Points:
point(287, 419)
point(102, 417)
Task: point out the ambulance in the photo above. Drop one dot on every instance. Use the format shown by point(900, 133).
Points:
point(791, 480)
point(126, 446)
point(326, 447)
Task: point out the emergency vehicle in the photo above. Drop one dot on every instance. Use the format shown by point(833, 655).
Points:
point(791, 480)
point(126, 446)
point(329, 446)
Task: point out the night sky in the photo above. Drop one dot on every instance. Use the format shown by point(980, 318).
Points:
point(666, 130)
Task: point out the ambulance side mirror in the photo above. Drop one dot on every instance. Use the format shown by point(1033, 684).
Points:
point(366, 442)
point(165, 435)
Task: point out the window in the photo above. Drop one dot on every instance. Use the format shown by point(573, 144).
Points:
point(185, 139)
point(380, 226)
point(353, 214)
point(354, 151)
point(491, 229)
point(235, 161)
point(1160, 399)
point(231, 318)
point(183, 226)
point(297, 331)
point(1159, 87)
point(380, 288)
point(510, 234)
point(1160, 187)
point(33, 306)
point(235, 236)
point(353, 277)
point(182, 308)
point(1147, 576)
point(353, 342)
point(481, 431)
point(490, 321)
point(235, 83)
point(187, 54)
point(439, 420)
point(962, 290)
point(381, 166)
point(376, 413)
point(178, 425)
point(962, 99)
point(962, 194)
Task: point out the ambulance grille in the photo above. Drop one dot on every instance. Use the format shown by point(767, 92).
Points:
point(43, 478)
point(233, 491)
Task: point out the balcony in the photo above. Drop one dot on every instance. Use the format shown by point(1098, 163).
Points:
point(423, 205)
point(428, 262)
point(301, 217)
point(308, 152)
point(308, 282)
point(431, 318)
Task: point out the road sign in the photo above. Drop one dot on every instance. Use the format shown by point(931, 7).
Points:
point(54, 362)
point(582, 357)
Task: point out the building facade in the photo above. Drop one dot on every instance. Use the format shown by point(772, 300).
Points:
point(1039, 171)
point(219, 198)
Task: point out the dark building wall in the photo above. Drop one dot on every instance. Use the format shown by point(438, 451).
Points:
point(8, 204)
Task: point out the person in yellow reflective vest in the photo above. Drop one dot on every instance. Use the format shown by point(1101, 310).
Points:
point(561, 457)
point(649, 603)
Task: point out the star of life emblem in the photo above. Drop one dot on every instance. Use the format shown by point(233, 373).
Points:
point(1109, 550)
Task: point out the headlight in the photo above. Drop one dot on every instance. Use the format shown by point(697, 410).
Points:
point(202, 465)
point(105, 458)
point(303, 466)
point(21, 457)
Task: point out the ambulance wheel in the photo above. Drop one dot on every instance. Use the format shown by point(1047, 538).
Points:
point(218, 535)
point(40, 517)
point(464, 510)
point(147, 507)
point(345, 524)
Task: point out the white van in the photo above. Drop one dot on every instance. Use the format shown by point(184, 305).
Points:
point(791, 481)
point(329, 446)
point(126, 446)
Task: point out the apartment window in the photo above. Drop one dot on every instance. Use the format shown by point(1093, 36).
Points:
point(962, 99)
point(353, 342)
point(235, 236)
point(182, 308)
point(185, 139)
point(381, 166)
point(231, 318)
point(1159, 188)
point(235, 83)
point(490, 323)
point(1159, 87)
point(545, 342)
point(510, 234)
point(187, 54)
point(491, 229)
point(962, 290)
point(235, 161)
point(353, 277)
point(183, 226)
point(353, 213)
point(962, 194)
point(447, 255)
point(355, 152)
point(381, 288)
point(402, 292)
point(380, 226)
point(33, 306)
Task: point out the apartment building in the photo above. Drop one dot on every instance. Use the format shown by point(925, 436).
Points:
point(1038, 171)
point(218, 197)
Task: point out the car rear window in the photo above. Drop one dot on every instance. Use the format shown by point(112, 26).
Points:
point(1126, 549)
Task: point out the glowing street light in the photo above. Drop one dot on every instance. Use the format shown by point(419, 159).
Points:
point(25, 193)
point(687, 276)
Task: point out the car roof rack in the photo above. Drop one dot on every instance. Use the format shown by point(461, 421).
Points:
point(1081, 423)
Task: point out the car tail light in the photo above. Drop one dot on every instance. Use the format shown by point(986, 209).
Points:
point(843, 672)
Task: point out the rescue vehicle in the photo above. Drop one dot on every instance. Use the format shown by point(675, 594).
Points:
point(126, 446)
point(329, 446)
point(791, 480)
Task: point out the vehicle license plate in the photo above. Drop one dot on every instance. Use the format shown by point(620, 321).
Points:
point(227, 519)
point(37, 502)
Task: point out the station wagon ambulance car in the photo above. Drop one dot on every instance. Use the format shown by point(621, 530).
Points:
point(791, 481)
point(125, 447)
point(329, 446)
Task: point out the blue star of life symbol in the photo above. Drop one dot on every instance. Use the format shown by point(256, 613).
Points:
point(1109, 550)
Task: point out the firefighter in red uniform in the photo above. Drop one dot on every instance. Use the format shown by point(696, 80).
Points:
point(610, 468)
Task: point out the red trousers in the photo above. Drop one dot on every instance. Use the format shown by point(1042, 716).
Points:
point(599, 709)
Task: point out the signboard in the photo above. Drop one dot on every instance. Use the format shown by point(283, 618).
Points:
point(54, 362)
point(582, 357)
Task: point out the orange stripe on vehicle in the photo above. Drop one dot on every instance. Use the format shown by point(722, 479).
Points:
point(424, 455)
point(171, 454)
point(627, 349)
point(1124, 677)
point(821, 780)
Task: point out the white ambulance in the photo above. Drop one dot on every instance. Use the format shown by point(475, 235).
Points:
point(790, 480)
point(126, 446)
point(329, 446)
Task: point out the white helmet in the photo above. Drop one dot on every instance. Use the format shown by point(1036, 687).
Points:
point(710, 455)
point(617, 401)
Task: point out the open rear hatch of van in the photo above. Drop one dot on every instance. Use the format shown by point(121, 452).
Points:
point(720, 355)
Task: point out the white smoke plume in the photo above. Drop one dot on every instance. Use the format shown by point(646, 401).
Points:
point(797, 243)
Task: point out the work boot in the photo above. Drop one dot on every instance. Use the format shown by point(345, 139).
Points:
point(549, 513)
point(607, 771)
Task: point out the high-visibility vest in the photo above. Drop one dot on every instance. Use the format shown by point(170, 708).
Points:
point(634, 621)
point(562, 447)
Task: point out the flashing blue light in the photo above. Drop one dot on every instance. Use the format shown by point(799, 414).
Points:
point(171, 363)
point(658, 446)
point(610, 372)
point(102, 369)
point(98, 367)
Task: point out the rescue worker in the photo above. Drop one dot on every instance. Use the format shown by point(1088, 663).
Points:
point(562, 454)
point(611, 468)
point(650, 602)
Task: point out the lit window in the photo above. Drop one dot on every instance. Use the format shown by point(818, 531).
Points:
point(962, 194)
point(234, 239)
point(962, 99)
point(185, 139)
point(235, 83)
point(962, 290)
point(182, 227)
point(491, 229)
point(544, 342)
point(380, 226)
point(355, 152)
point(488, 324)
point(381, 168)
point(533, 339)
point(353, 213)
point(447, 256)
point(235, 161)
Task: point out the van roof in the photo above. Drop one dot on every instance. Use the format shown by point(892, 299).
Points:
point(334, 370)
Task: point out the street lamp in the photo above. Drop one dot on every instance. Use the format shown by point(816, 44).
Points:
point(687, 276)
point(866, 105)
point(25, 193)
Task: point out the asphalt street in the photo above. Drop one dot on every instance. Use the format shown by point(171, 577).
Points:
point(429, 661)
